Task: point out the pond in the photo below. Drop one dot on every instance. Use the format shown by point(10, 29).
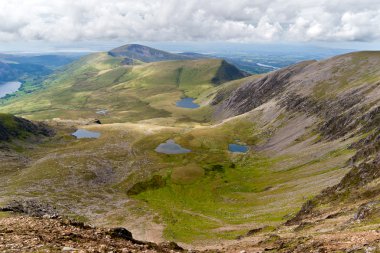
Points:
point(82, 133)
point(187, 103)
point(9, 88)
point(170, 147)
point(236, 148)
point(102, 112)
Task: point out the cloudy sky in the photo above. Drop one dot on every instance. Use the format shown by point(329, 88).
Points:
point(248, 21)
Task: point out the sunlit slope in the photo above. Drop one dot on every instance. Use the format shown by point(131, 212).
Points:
point(129, 93)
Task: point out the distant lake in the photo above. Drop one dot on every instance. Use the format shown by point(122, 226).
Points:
point(170, 147)
point(236, 148)
point(9, 88)
point(187, 103)
point(102, 111)
point(83, 134)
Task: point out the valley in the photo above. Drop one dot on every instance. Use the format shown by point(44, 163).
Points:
point(199, 152)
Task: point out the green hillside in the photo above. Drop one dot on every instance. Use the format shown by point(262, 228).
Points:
point(129, 93)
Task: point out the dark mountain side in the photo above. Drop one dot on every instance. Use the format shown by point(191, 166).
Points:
point(227, 72)
point(14, 127)
point(145, 54)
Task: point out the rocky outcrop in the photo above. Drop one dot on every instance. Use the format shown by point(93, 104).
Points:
point(30, 234)
point(32, 208)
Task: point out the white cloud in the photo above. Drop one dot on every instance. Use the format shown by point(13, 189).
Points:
point(184, 20)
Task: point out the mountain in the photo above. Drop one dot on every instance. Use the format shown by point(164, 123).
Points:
point(30, 70)
point(48, 61)
point(127, 92)
point(12, 72)
point(309, 179)
point(145, 54)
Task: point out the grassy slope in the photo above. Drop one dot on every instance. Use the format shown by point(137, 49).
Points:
point(129, 93)
point(209, 194)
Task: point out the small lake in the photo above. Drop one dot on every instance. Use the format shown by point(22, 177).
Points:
point(171, 148)
point(236, 148)
point(82, 134)
point(187, 103)
point(9, 88)
point(102, 112)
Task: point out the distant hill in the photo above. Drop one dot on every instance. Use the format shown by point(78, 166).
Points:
point(22, 67)
point(12, 72)
point(145, 54)
point(49, 61)
point(197, 55)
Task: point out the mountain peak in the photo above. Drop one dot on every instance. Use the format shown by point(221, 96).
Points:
point(145, 53)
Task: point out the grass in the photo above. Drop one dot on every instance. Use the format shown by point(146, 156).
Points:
point(210, 188)
point(207, 194)
point(130, 94)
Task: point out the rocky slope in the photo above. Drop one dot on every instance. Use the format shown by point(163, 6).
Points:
point(20, 233)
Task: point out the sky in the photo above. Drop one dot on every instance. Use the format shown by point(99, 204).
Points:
point(95, 24)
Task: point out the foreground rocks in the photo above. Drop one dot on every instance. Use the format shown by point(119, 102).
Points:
point(32, 234)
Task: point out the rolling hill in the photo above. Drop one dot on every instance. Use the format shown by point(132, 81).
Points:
point(129, 93)
point(309, 178)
